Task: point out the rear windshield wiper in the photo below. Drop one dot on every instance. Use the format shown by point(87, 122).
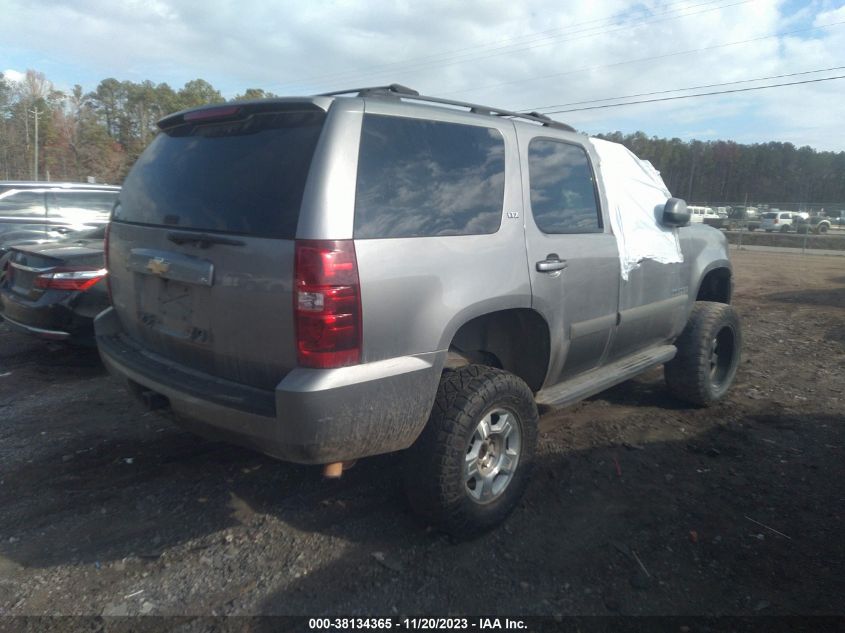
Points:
point(203, 240)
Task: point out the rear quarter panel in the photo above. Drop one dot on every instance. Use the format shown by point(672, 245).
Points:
point(417, 292)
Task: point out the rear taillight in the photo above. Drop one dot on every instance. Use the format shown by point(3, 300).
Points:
point(776, 220)
point(67, 279)
point(106, 256)
point(327, 303)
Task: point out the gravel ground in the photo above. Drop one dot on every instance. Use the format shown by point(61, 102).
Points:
point(639, 504)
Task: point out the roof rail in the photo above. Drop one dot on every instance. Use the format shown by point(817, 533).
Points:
point(395, 89)
point(399, 91)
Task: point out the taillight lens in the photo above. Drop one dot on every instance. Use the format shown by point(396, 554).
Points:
point(327, 303)
point(106, 256)
point(211, 113)
point(69, 279)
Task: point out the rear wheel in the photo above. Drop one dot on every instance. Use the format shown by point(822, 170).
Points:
point(708, 354)
point(469, 467)
point(784, 229)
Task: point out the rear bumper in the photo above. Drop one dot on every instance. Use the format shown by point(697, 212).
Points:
point(53, 335)
point(313, 416)
point(54, 316)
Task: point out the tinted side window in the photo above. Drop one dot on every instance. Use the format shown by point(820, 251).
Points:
point(419, 178)
point(22, 204)
point(563, 193)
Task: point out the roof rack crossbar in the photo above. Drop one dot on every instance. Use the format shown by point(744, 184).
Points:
point(403, 92)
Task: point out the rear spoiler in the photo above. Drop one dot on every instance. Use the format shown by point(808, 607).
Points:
point(238, 110)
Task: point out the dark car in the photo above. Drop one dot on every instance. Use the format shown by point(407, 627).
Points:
point(55, 290)
point(45, 211)
point(813, 224)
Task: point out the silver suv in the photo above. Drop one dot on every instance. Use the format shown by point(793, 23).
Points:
point(338, 276)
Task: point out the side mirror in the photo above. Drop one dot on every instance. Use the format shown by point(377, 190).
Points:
point(675, 213)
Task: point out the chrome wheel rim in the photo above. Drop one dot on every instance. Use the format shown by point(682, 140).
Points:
point(492, 455)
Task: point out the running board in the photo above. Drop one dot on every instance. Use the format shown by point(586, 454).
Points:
point(597, 380)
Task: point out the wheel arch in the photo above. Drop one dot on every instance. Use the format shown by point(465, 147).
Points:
point(715, 283)
point(514, 339)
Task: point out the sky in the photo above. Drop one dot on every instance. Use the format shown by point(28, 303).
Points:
point(503, 53)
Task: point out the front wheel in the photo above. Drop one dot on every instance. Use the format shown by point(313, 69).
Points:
point(708, 354)
point(471, 464)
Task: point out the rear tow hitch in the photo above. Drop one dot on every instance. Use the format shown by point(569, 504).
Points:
point(154, 400)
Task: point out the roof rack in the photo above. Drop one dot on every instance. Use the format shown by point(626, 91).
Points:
point(399, 91)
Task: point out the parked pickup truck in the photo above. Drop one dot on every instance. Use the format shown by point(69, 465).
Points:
point(331, 277)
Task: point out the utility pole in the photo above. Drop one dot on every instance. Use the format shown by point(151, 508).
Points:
point(35, 112)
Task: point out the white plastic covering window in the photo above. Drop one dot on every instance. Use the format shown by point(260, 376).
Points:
point(636, 195)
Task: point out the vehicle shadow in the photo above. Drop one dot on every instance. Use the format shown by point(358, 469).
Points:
point(648, 388)
point(673, 528)
point(591, 524)
point(51, 358)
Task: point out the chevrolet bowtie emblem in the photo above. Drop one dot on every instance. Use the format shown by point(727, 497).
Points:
point(158, 265)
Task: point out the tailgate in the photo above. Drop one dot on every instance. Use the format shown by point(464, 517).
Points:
point(202, 240)
point(224, 310)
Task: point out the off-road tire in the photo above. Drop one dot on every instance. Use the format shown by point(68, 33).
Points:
point(433, 468)
point(691, 376)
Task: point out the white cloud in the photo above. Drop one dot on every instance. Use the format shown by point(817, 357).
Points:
point(508, 54)
point(13, 75)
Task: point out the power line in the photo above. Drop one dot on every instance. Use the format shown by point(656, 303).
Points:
point(702, 94)
point(660, 92)
point(647, 59)
point(509, 49)
point(531, 37)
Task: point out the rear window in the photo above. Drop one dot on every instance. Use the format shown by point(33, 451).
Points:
point(89, 200)
point(421, 178)
point(245, 177)
point(22, 204)
point(80, 206)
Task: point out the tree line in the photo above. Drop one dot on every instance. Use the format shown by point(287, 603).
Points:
point(81, 135)
point(99, 134)
point(715, 172)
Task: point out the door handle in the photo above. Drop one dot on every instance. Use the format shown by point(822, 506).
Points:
point(551, 264)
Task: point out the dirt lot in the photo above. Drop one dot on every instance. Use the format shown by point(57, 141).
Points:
point(107, 509)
